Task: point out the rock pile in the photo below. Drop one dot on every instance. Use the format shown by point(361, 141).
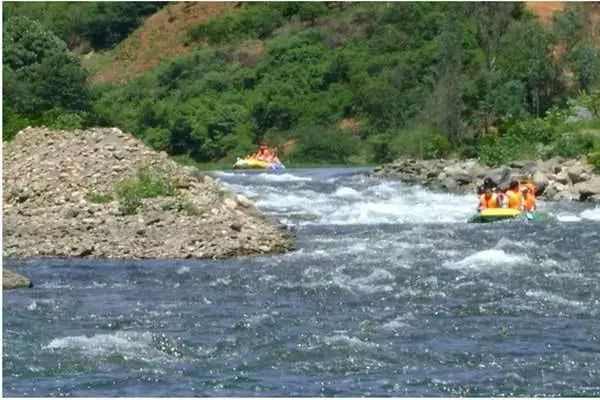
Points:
point(12, 280)
point(556, 179)
point(59, 200)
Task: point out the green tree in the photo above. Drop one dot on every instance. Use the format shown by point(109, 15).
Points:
point(525, 55)
point(448, 92)
point(39, 73)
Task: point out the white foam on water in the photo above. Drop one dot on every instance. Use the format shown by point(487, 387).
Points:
point(380, 203)
point(504, 243)
point(592, 214)
point(379, 280)
point(282, 177)
point(351, 341)
point(568, 218)
point(32, 306)
point(394, 203)
point(398, 323)
point(347, 192)
point(553, 298)
point(183, 270)
point(223, 173)
point(488, 259)
point(132, 345)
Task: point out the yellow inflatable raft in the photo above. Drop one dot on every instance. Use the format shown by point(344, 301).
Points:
point(251, 163)
point(495, 214)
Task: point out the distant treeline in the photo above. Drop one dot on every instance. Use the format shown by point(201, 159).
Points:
point(336, 82)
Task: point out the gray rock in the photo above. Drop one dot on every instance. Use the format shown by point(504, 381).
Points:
point(244, 201)
point(463, 179)
point(588, 189)
point(561, 177)
point(540, 180)
point(577, 173)
point(12, 280)
point(554, 189)
point(236, 226)
point(230, 203)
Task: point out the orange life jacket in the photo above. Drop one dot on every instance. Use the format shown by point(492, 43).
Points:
point(492, 202)
point(529, 202)
point(515, 199)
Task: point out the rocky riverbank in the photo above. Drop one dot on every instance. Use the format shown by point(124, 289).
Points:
point(61, 199)
point(556, 179)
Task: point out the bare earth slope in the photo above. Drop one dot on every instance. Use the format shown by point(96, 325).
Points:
point(50, 178)
point(161, 37)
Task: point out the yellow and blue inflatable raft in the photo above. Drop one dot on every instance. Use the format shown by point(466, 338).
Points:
point(499, 214)
point(252, 163)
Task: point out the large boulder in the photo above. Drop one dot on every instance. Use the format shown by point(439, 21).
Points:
point(561, 177)
point(540, 180)
point(556, 190)
point(500, 175)
point(578, 173)
point(589, 189)
point(12, 280)
point(463, 179)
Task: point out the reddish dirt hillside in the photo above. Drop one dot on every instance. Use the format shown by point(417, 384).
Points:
point(162, 36)
point(545, 9)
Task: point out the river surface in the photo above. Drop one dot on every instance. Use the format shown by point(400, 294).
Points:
point(390, 292)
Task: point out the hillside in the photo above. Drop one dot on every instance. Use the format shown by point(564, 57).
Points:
point(325, 82)
point(161, 37)
point(545, 9)
point(164, 35)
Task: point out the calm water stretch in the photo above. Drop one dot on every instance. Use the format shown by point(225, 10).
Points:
point(390, 292)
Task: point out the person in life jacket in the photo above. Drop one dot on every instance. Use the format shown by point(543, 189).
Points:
point(515, 198)
point(489, 183)
point(528, 199)
point(264, 153)
point(488, 199)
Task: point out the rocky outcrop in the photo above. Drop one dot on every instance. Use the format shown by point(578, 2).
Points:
point(556, 179)
point(12, 280)
point(59, 200)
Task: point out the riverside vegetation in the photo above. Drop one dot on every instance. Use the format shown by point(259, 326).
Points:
point(328, 82)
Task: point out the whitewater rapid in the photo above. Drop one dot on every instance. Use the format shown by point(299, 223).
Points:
point(389, 292)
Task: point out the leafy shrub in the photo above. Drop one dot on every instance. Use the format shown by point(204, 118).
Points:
point(105, 24)
point(102, 23)
point(69, 121)
point(254, 21)
point(318, 144)
point(39, 73)
point(573, 144)
point(147, 183)
point(594, 159)
point(591, 101)
point(12, 122)
point(418, 142)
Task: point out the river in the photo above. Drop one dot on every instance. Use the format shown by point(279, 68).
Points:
point(389, 292)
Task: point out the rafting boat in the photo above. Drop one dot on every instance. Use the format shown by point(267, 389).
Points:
point(252, 163)
point(499, 214)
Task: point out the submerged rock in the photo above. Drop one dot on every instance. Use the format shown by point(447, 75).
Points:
point(12, 280)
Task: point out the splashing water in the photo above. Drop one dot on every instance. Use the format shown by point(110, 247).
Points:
point(389, 293)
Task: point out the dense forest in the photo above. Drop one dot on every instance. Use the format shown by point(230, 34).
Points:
point(325, 82)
